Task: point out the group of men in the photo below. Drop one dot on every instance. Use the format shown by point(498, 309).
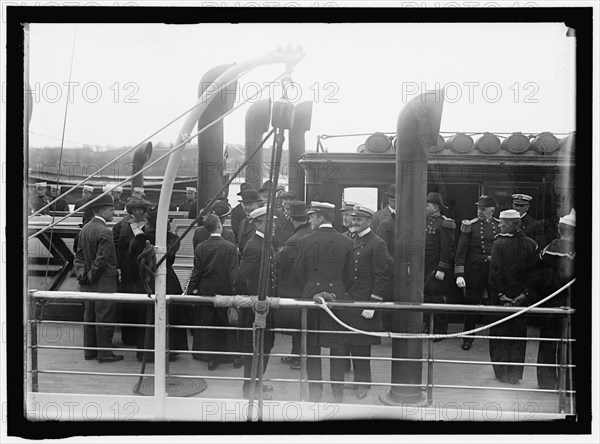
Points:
point(309, 259)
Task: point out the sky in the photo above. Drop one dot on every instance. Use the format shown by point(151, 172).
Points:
point(129, 80)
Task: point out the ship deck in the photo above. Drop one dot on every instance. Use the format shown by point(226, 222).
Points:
point(477, 392)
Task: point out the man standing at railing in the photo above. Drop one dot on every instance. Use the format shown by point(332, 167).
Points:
point(472, 262)
point(512, 267)
point(324, 267)
point(558, 268)
point(246, 282)
point(370, 278)
point(96, 270)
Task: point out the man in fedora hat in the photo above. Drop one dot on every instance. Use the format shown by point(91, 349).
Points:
point(439, 253)
point(324, 266)
point(388, 210)
point(246, 282)
point(472, 261)
point(95, 266)
point(285, 258)
point(250, 201)
point(238, 214)
point(222, 210)
point(557, 269)
point(512, 273)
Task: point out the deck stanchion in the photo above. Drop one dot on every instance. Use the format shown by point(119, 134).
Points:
point(430, 363)
point(303, 353)
point(160, 327)
point(562, 368)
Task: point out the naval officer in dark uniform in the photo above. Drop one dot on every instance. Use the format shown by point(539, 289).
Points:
point(369, 282)
point(472, 261)
point(439, 253)
point(324, 265)
point(532, 228)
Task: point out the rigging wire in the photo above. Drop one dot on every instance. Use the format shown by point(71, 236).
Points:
point(62, 143)
point(175, 148)
point(198, 103)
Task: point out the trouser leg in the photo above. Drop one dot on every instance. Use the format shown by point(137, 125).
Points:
point(105, 312)
point(89, 331)
point(314, 373)
point(337, 370)
point(362, 367)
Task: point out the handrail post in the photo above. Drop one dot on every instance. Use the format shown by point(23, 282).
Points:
point(32, 368)
point(160, 325)
point(562, 367)
point(303, 353)
point(430, 362)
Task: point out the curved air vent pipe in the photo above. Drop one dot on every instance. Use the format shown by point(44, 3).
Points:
point(256, 125)
point(417, 130)
point(210, 141)
point(297, 147)
point(141, 155)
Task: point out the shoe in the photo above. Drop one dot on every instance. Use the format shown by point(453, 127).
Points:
point(238, 362)
point(112, 358)
point(267, 388)
point(89, 358)
point(287, 359)
point(361, 392)
point(295, 364)
point(466, 346)
point(212, 364)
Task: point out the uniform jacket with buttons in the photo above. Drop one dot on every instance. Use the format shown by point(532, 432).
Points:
point(246, 282)
point(474, 245)
point(96, 258)
point(439, 244)
point(370, 278)
point(534, 229)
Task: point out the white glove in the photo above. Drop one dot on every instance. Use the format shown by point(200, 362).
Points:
point(439, 275)
point(460, 282)
point(367, 314)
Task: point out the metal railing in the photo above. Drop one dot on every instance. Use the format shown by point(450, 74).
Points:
point(565, 366)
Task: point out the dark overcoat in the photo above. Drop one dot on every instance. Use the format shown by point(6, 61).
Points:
point(370, 277)
point(246, 283)
point(215, 267)
point(324, 264)
point(201, 234)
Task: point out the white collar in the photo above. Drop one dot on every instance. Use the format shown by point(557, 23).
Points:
point(326, 225)
point(365, 231)
point(524, 214)
point(215, 235)
point(260, 234)
point(100, 217)
point(393, 211)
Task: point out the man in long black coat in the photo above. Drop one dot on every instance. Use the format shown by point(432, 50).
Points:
point(215, 267)
point(246, 283)
point(95, 266)
point(324, 265)
point(285, 258)
point(250, 201)
point(370, 279)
